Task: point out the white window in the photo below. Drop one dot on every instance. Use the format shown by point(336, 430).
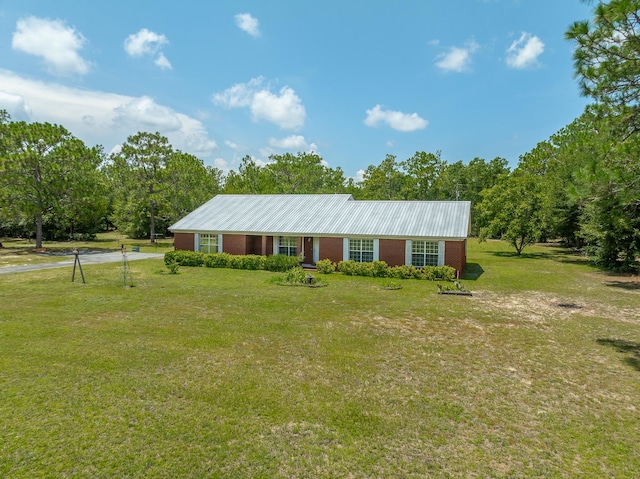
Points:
point(361, 250)
point(208, 243)
point(424, 253)
point(288, 245)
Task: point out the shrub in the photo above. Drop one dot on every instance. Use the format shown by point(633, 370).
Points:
point(444, 273)
point(325, 266)
point(380, 269)
point(280, 262)
point(184, 258)
point(252, 261)
point(173, 267)
point(349, 267)
point(217, 260)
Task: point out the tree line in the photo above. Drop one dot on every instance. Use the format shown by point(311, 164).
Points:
point(582, 185)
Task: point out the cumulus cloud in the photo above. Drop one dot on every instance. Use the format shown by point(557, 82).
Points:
point(15, 106)
point(395, 119)
point(359, 176)
point(248, 23)
point(146, 112)
point(457, 59)
point(57, 44)
point(524, 52)
point(105, 118)
point(284, 108)
point(146, 42)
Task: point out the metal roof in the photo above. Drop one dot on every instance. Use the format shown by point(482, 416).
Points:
point(328, 215)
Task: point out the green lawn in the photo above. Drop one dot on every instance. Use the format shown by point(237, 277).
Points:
point(217, 373)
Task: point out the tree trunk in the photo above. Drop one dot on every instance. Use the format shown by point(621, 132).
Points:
point(39, 230)
point(152, 226)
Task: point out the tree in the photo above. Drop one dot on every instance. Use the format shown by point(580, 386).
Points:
point(45, 169)
point(385, 181)
point(512, 210)
point(422, 170)
point(140, 169)
point(250, 178)
point(607, 58)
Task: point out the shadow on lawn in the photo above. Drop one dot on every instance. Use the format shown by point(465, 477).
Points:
point(472, 271)
point(631, 348)
point(628, 285)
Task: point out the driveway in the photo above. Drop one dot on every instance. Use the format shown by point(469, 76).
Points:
point(85, 258)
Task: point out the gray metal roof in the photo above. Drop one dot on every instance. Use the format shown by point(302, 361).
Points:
point(328, 215)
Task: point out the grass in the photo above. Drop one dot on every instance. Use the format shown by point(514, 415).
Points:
point(217, 373)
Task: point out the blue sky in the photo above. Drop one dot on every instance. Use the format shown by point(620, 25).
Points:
point(352, 80)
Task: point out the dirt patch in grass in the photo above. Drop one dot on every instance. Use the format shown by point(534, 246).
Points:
point(539, 307)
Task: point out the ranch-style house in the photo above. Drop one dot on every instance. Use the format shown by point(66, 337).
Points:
point(334, 227)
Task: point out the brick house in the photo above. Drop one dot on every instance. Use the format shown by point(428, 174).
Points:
point(334, 227)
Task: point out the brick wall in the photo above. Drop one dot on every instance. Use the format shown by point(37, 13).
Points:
point(455, 255)
point(234, 244)
point(184, 241)
point(331, 248)
point(392, 252)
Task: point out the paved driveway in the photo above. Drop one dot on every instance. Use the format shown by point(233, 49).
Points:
point(85, 258)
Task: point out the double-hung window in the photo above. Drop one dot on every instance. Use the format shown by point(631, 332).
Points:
point(288, 245)
point(361, 250)
point(208, 243)
point(424, 253)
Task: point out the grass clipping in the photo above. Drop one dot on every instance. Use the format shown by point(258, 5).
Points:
point(297, 277)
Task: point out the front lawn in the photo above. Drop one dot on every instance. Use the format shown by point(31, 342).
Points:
point(218, 373)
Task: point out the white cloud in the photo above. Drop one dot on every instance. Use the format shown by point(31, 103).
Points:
point(359, 177)
point(144, 111)
point(395, 119)
point(524, 52)
point(15, 106)
point(248, 23)
point(293, 142)
point(146, 42)
point(232, 145)
point(106, 118)
point(162, 62)
point(57, 44)
point(457, 59)
point(284, 108)
point(221, 164)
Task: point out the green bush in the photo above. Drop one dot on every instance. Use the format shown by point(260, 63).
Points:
point(280, 262)
point(217, 260)
point(349, 267)
point(253, 261)
point(325, 266)
point(184, 258)
point(444, 273)
point(173, 267)
point(380, 269)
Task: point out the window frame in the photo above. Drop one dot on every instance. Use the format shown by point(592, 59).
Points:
point(288, 245)
point(427, 252)
point(357, 250)
point(208, 243)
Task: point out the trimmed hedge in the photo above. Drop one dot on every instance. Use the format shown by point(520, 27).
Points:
point(380, 269)
point(276, 262)
point(282, 263)
point(184, 258)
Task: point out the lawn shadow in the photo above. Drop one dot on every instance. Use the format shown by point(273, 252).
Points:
point(472, 271)
point(631, 348)
point(628, 285)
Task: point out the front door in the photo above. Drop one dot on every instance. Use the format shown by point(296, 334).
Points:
point(307, 250)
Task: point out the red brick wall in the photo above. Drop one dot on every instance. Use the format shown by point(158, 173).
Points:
point(234, 244)
point(184, 241)
point(392, 252)
point(331, 248)
point(455, 255)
